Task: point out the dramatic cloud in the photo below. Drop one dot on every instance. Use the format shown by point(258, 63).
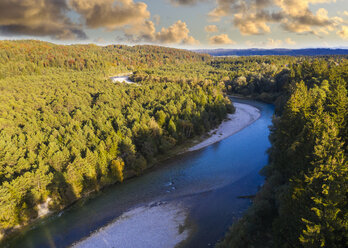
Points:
point(48, 17)
point(224, 8)
point(38, 18)
point(220, 40)
point(211, 29)
point(298, 7)
point(253, 17)
point(110, 14)
point(253, 23)
point(229, 7)
point(144, 31)
point(248, 16)
point(133, 19)
point(307, 20)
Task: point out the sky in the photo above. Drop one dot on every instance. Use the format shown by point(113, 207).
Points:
point(179, 23)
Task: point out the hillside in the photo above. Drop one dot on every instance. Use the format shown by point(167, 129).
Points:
point(67, 130)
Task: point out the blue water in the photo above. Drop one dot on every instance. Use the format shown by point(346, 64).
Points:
point(207, 181)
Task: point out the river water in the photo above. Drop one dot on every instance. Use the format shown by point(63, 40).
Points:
point(206, 182)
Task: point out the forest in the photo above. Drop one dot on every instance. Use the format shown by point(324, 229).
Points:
point(67, 130)
point(303, 202)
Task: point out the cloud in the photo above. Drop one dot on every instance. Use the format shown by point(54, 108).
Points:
point(249, 16)
point(178, 33)
point(298, 7)
point(252, 17)
point(190, 40)
point(224, 8)
point(220, 40)
point(298, 18)
point(144, 31)
point(307, 20)
point(49, 18)
point(110, 14)
point(38, 18)
point(133, 19)
point(253, 23)
point(343, 32)
point(272, 43)
point(211, 29)
point(289, 41)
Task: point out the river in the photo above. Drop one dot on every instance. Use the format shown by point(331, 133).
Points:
point(122, 79)
point(200, 188)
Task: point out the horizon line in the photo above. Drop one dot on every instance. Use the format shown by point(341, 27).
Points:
point(190, 48)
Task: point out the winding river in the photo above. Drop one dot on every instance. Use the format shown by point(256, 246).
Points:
point(198, 189)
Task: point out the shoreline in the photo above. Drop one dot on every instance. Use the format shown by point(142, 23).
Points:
point(240, 118)
point(156, 225)
point(244, 115)
point(162, 224)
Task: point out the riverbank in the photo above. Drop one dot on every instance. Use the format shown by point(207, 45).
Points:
point(243, 117)
point(153, 226)
point(162, 224)
point(194, 182)
point(240, 119)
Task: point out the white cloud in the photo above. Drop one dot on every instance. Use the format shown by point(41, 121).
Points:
point(343, 32)
point(221, 39)
point(177, 33)
point(253, 17)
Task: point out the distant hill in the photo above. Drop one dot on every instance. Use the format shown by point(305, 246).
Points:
point(279, 51)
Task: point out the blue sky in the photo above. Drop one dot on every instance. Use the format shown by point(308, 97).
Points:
point(179, 23)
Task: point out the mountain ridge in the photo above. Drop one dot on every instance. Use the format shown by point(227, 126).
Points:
point(276, 51)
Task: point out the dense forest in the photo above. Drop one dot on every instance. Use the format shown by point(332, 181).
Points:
point(303, 202)
point(67, 130)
